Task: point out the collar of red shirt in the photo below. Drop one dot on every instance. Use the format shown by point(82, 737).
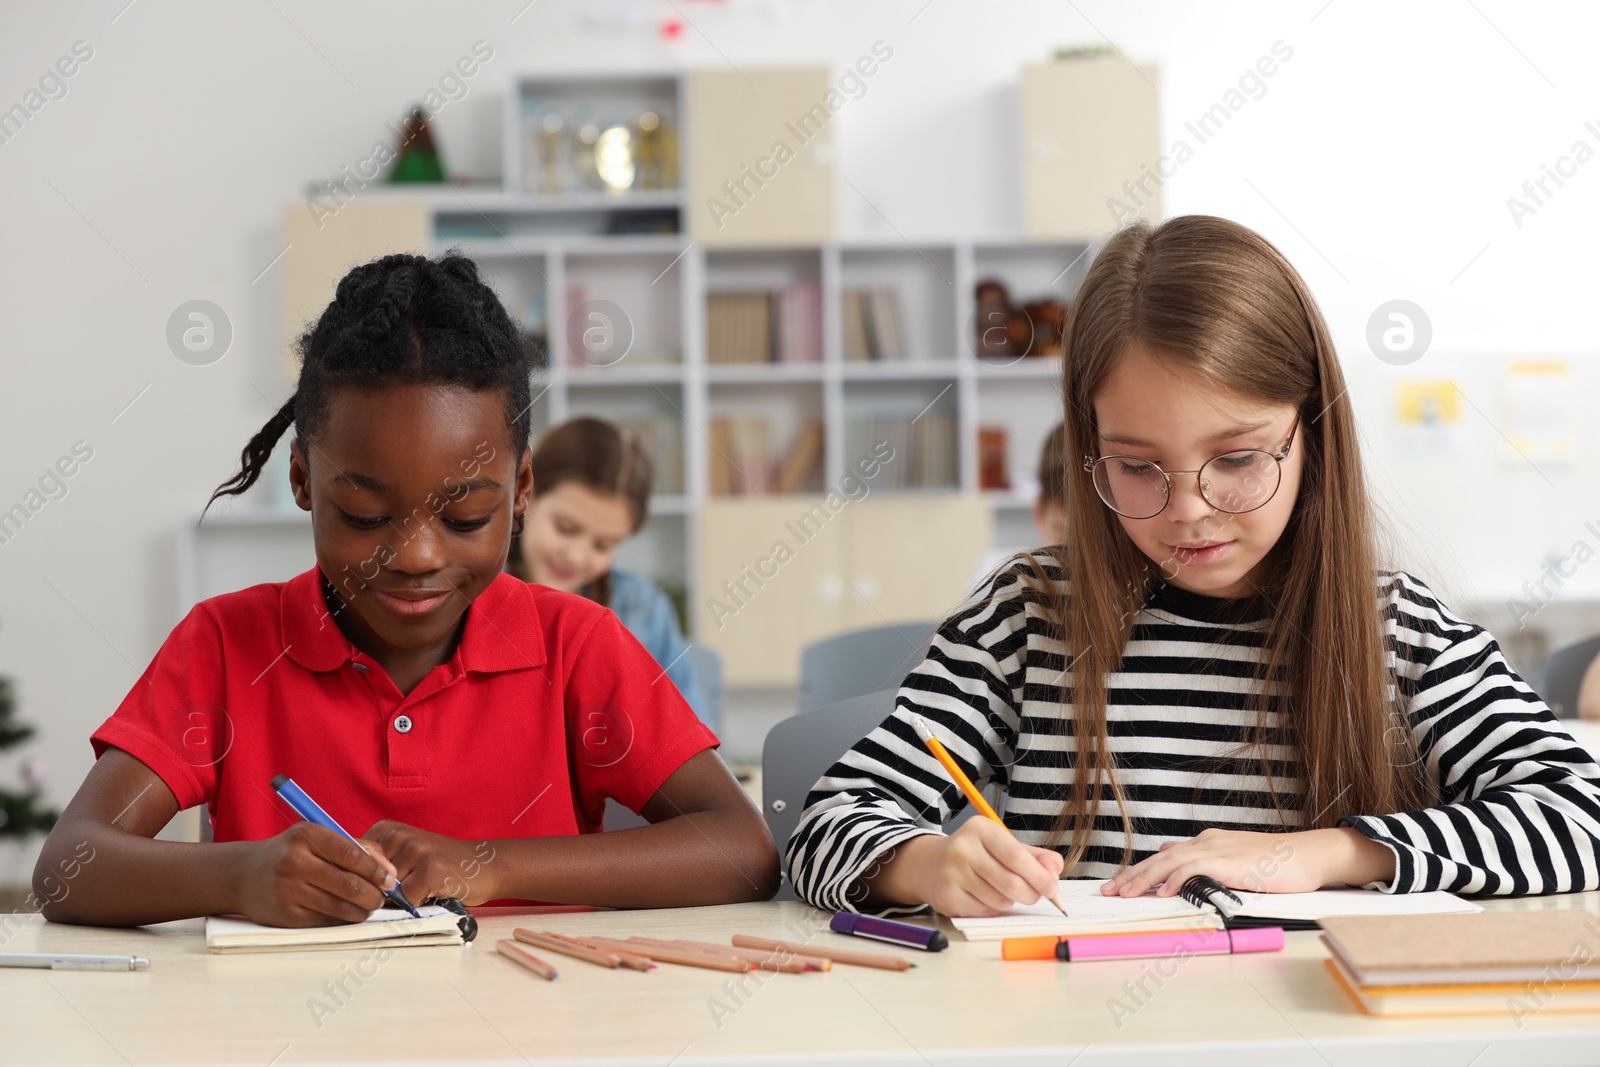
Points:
point(502, 631)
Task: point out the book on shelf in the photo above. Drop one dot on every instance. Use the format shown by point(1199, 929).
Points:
point(744, 463)
point(992, 473)
point(873, 325)
point(662, 440)
point(924, 448)
point(804, 457)
point(722, 475)
point(739, 327)
point(799, 323)
point(933, 450)
point(783, 325)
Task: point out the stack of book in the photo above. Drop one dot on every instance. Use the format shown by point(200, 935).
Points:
point(743, 462)
point(924, 448)
point(872, 325)
point(780, 326)
point(1515, 962)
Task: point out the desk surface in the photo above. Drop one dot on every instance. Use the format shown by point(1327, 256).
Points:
point(964, 1005)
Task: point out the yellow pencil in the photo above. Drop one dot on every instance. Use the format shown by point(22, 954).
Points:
point(959, 777)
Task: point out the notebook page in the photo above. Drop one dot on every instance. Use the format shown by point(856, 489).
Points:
point(382, 924)
point(1086, 908)
point(1323, 902)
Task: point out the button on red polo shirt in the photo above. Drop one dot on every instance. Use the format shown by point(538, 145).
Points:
point(548, 707)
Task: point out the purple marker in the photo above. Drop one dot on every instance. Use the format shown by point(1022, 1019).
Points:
point(848, 922)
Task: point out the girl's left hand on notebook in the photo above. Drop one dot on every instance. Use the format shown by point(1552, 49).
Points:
point(432, 866)
point(1259, 862)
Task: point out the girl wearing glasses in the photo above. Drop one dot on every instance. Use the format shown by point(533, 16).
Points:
point(1212, 674)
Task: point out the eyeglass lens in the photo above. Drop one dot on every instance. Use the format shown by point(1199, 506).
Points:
point(1234, 482)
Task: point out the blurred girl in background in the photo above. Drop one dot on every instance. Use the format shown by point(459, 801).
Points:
point(591, 492)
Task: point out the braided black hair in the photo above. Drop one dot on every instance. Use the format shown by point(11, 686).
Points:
point(402, 319)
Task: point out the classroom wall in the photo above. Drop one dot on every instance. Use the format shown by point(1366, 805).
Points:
point(1379, 157)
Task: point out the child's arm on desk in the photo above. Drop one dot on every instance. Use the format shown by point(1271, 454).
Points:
point(707, 844)
point(305, 876)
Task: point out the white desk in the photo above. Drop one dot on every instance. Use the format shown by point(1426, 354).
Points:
point(961, 1006)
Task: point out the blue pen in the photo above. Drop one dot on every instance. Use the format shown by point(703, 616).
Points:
point(310, 811)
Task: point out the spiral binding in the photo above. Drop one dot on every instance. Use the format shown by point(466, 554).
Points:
point(1202, 890)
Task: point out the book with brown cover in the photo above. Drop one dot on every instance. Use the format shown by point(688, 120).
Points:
point(804, 456)
point(1489, 946)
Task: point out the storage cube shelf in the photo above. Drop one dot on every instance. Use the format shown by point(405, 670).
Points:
point(933, 396)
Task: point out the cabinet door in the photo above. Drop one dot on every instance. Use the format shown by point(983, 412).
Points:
point(769, 584)
point(1088, 127)
point(761, 152)
point(325, 245)
point(912, 559)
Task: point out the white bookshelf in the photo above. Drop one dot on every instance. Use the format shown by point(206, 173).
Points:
point(661, 285)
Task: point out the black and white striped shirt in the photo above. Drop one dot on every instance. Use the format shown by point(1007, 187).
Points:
point(1520, 809)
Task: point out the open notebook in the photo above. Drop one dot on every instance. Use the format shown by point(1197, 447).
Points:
point(1090, 913)
point(386, 927)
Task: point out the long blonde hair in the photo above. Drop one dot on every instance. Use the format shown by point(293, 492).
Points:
point(1219, 300)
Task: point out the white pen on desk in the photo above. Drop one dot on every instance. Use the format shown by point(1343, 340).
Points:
point(73, 961)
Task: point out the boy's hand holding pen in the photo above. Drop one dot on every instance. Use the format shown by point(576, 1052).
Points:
point(309, 875)
point(315, 871)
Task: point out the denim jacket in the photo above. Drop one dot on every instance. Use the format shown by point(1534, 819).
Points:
point(647, 613)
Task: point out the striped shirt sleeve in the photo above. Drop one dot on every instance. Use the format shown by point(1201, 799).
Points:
point(1520, 810)
point(889, 788)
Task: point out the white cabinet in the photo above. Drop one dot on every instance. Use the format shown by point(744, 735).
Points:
point(1091, 147)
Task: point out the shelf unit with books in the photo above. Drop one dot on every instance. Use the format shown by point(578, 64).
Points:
point(763, 416)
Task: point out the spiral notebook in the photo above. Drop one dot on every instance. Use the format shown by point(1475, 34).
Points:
point(385, 928)
point(1202, 907)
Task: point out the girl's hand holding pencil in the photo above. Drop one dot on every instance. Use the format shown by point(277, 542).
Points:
point(979, 870)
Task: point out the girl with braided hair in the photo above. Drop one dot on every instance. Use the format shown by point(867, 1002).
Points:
point(476, 723)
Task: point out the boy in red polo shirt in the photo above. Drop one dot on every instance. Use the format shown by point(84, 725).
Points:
point(475, 723)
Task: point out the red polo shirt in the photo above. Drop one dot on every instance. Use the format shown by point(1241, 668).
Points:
point(548, 707)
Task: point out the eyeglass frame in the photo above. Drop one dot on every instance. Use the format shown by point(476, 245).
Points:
point(1090, 462)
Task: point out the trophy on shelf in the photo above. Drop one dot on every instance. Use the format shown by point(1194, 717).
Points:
point(551, 155)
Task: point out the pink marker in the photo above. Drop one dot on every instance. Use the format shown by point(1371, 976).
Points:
point(1142, 946)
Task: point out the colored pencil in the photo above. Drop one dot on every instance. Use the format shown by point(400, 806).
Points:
point(855, 957)
point(567, 948)
point(626, 959)
point(766, 961)
point(519, 955)
point(672, 954)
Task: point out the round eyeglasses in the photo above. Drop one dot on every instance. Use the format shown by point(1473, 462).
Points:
point(1234, 482)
